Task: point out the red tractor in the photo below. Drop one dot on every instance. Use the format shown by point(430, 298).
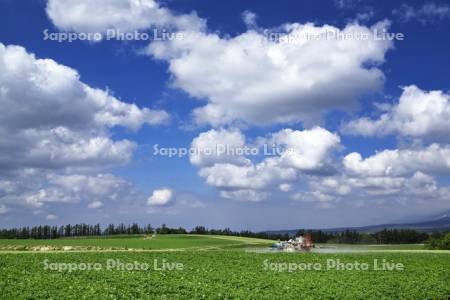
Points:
point(307, 242)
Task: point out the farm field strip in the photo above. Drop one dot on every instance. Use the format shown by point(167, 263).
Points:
point(224, 274)
point(161, 242)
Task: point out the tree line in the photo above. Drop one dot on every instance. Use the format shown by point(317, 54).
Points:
point(439, 240)
point(386, 236)
point(77, 230)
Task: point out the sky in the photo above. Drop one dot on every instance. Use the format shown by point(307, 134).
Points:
point(256, 115)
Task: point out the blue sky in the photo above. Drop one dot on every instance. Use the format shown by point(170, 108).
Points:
point(368, 120)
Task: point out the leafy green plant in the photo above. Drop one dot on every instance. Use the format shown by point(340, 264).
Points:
point(223, 275)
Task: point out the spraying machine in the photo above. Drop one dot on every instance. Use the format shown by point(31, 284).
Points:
point(299, 243)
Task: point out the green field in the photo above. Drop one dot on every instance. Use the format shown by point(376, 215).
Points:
point(159, 242)
point(222, 274)
point(176, 242)
point(375, 247)
point(216, 267)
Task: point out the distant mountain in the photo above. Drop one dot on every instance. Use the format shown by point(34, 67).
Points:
point(439, 216)
point(439, 222)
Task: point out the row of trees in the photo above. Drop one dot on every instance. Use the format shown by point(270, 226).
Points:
point(77, 230)
point(386, 236)
point(440, 241)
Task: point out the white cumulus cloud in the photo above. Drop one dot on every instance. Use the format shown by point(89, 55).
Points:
point(251, 79)
point(52, 120)
point(239, 177)
point(434, 159)
point(161, 197)
point(218, 146)
point(123, 15)
point(418, 114)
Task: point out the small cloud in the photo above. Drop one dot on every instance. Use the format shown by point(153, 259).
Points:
point(4, 209)
point(51, 217)
point(346, 4)
point(249, 19)
point(161, 197)
point(189, 201)
point(365, 16)
point(428, 13)
point(284, 187)
point(196, 204)
point(245, 195)
point(95, 204)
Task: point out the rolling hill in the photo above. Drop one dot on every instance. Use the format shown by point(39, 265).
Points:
point(439, 222)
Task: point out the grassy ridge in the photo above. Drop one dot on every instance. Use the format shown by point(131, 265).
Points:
point(223, 275)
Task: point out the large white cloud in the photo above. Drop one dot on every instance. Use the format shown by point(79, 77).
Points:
point(239, 177)
point(418, 114)
point(42, 93)
point(38, 190)
point(51, 124)
point(218, 146)
point(307, 150)
point(406, 174)
point(434, 159)
point(123, 15)
point(48, 195)
point(96, 186)
point(50, 119)
point(363, 190)
point(252, 79)
point(254, 176)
